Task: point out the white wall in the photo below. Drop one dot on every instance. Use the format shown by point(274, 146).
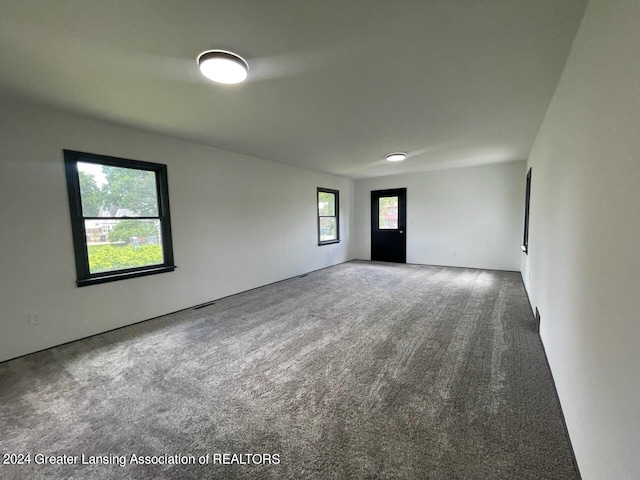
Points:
point(238, 223)
point(583, 269)
point(476, 212)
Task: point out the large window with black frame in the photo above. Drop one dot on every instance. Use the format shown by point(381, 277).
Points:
point(120, 217)
point(328, 216)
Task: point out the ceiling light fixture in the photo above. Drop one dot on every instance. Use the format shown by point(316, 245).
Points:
point(223, 67)
point(396, 156)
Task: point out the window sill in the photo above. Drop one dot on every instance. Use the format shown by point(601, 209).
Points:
point(125, 275)
point(328, 242)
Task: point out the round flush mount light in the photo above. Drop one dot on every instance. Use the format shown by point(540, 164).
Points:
point(223, 67)
point(396, 156)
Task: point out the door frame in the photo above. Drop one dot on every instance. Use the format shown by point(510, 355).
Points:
point(401, 193)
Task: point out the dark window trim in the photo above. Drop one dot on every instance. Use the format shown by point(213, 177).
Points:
point(525, 240)
point(336, 194)
point(84, 277)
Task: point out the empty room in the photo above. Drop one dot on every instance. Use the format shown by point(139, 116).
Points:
point(317, 239)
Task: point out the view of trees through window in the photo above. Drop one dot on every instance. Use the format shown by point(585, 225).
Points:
point(388, 213)
point(120, 211)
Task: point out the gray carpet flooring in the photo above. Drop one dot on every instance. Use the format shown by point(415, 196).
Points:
point(362, 370)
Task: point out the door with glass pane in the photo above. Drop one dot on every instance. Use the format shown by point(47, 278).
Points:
point(388, 225)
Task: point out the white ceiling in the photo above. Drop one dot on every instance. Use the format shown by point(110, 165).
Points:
point(334, 84)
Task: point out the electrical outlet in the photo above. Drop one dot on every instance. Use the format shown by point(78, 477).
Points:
point(454, 253)
point(33, 319)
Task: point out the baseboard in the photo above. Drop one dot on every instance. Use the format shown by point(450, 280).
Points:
point(564, 421)
point(447, 266)
point(165, 314)
point(534, 310)
point(524, 285)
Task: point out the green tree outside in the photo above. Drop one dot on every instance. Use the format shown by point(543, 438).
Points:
point(130, 189)
point(91, 195)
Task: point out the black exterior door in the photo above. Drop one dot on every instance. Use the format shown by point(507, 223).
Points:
point(388, 225)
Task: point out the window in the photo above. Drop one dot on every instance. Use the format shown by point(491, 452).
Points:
point(328, 216)
point(119, 217)
point(388, 213)
point(525, 242)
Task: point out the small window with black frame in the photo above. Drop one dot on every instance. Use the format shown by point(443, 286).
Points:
point(527, 200)
point(120, 217)
point(328, 216)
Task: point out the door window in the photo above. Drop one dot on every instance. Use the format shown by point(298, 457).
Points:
point(388, 213)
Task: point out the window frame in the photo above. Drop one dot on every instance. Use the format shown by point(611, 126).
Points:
point(336, 194)
point(527, 205)
point(78, 230)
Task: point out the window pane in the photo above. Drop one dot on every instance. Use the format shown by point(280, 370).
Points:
point(108, 191)
point(388, 213)
point(326, 204)
point(328, 230)
point(118, 244)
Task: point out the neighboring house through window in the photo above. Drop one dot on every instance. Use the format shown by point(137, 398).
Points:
point(119, 217)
